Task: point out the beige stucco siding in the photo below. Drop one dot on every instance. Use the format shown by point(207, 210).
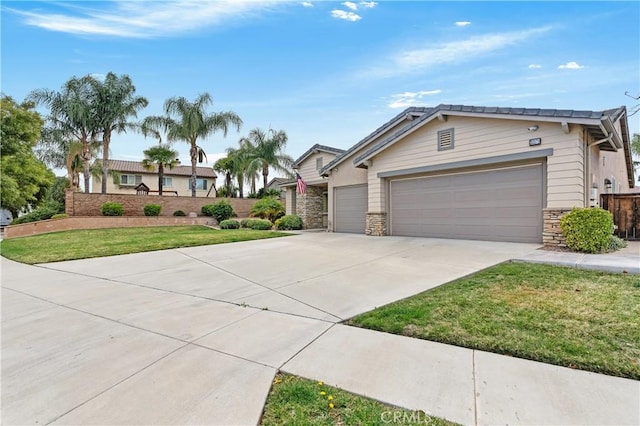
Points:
point(179, 183)
point(476, 138)
point(608, 165)
point(308, 169)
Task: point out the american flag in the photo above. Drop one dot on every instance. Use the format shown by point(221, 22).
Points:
point(302, 185)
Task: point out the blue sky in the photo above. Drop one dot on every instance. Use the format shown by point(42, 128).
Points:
point(329, 72)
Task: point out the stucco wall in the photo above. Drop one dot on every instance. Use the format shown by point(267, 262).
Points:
point(81, 204)
point(476, 138)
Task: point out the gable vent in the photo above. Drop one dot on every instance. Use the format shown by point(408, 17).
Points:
point(445, 139)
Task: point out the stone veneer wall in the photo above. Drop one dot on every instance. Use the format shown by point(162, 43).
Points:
point(82, 204)
point(552, 236)
point(376, 224)
point(309, 207)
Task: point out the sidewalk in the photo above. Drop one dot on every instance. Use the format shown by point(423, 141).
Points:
point(625, 260)
point(465, 385)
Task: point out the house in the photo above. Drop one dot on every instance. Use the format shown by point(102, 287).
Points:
point(314, 204)
point(129, 174)
point(468, 172)
point(278, 184)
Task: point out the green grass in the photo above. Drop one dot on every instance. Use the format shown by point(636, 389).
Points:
point(82, 244)
point(565, 316)
point(297, 401)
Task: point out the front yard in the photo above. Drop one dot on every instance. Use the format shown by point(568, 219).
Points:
point(82, 244)
point(575, 318)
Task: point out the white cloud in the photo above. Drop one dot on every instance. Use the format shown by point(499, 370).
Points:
point(462, 23)
point(307, 4)
point(410, 61)
point(534, 66)
point(350, 5)
point(407, 99)
point(570, 66)
point(368, 4)
point(146, 19)
point(347, 16)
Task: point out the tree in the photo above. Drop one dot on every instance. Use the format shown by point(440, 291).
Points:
point(188, 122)
point(266, 150)
point(226, 166)
point(113, 103)
point(72, 115)
point(25, 179)
point(635, 150)
point(163, 156)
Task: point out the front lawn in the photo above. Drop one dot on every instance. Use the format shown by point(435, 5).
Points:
point(82, 244)
point(564, 316)
point(297, 401)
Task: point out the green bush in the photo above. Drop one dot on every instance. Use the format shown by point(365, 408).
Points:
point(588, 229)
point(244, 223)
point(112, 209)
point(267, 208)
point(220, 211)
point(179, 213)
point(152, 209)
point(259, 224)
point(229, 224)
point(59, 216)
point(44, 212)
point(288, 222)
point(616, 243)
point(268, 193)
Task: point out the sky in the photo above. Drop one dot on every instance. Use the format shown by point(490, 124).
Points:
point(328, 72)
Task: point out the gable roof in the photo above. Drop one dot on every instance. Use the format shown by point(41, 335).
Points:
point(317, 148)
point(598, 123)
point(125, 166)
point(278, 181)
point(408, 114)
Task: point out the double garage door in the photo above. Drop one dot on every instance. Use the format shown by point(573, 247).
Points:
point(495, 205)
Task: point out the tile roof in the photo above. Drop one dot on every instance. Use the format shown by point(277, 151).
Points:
point(315, 148)
point(125, 166)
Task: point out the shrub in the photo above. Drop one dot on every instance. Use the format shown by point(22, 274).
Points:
point(616, 243)
point(244, 223)
point(229, 224)
point(259, 224)
point(268, 193)
point(179, 213)
point(59, 216)
point(288, 222)
point(267, 208)
point(588, 229)
point(152, 209)
point(220, 211)
point(112, 209)
point(44, 212)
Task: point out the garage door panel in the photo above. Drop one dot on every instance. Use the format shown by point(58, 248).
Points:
point(350, 208)
point(500, 205)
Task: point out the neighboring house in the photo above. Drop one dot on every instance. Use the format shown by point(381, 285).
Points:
point(129, 174)
point(453, 171)
point(278, 185)
point(314, 204)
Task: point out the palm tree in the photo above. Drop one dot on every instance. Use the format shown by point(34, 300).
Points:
point(188, 121)
point(114, 103)
point(267, 151)
point(71, 113)
point(163, 156)
point(226, 167)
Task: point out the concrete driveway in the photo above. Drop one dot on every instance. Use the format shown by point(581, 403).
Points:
point(195, 335)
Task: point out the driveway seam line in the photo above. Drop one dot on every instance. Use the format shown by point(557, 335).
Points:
point(306, 346)
point(117, 383)
point(259, 284)
point(475, 389)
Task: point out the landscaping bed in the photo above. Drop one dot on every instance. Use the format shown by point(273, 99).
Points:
point(565, 316)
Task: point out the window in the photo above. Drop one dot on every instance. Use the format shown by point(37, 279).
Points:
point(318, 163)
point(200, 184)
point(130, 180)
point(445, 139)
point(167, 182)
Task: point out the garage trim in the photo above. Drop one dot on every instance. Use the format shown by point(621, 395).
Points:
point(488, 161)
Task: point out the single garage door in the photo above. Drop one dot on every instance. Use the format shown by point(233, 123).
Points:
point(495, 205)
point(350, 208)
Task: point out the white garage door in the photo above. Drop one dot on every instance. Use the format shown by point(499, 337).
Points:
point(350, 208)
point(494, 205)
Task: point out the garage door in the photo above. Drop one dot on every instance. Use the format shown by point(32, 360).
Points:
point(350, 208)
point(494, 205)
